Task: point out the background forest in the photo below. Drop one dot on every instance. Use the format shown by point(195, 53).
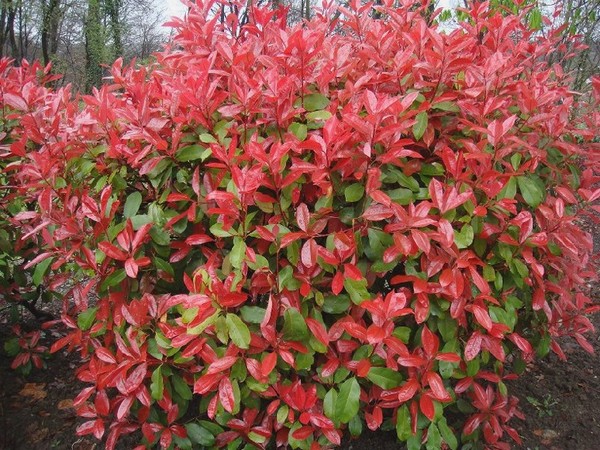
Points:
point(79, 37)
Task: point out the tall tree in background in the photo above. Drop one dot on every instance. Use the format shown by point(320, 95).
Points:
point(7, 21)
point(113, 9)
point(94, 45)
point(582, 17)
point(51, 18)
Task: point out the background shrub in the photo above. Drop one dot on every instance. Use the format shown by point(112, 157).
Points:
point(292, 231)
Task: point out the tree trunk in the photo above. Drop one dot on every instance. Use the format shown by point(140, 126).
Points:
point(113, 10)
point(94, 46)
point(51, 17)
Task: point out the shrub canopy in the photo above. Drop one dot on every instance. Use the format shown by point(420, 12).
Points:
point(357, 221)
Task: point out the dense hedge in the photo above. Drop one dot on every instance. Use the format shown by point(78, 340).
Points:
point(292, 231)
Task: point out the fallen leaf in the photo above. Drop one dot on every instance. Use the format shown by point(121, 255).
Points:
point(34, 390)
point(67, 403)
point(37, 434)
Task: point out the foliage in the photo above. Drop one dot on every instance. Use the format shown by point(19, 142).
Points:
point(294, 231)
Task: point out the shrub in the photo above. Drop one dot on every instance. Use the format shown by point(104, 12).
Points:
point(293, 231)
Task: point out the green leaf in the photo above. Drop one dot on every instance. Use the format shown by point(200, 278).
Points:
point(40, 271)
point(294, 325)
point(207, 138)
point(157, 386)
point(132, 204)
point(510, 189)
point(379, 241)
point(181, 387)
point(318, 115)
point(164, 266)
point(315, 102)
point(218, 231)
point(238, 252)
point(286, 278)
point(403, 429)
point(199, 435)
point(535, 19)
point(434, 439)
point(348, 401)
point(283, 411)
point(355, 426)
point(354, 192)
point(420, 125)
point(385, 378)
point(447, 106)
point(113, 279)
point(336, 304)
point(159, 236)
point(252, 314)
point(12, 346)
point(515, 160)
point(139, 220)
point(447, 434)
point(402, 196)
point(533, 193)
point(238, 331)
point(299, 130)
point(86, 319)
point(192, 153)
point(464, 237)
point(520, 268)
point(357, 290)
point(329, 403)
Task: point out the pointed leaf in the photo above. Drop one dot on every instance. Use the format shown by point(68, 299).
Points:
point(238, 331)
point(347, 403)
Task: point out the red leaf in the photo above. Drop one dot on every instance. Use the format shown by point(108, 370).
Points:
point(226, 396)
point(472, 423)
point(268, 364)
point(332, 435)
point(105, 355)
point(320, 421)
point(437, 387)
point(482, 317)
point(112, 251)
point(422, 240)
point(426, 406)
point(165, 438)
point(198, 239)
point(375, 419)
point(337, 285)
point(522, 343)
point(448, 357)
point(318, 330)
point(102, 404)
point(222, 364)
point(430, 341)
point(131, 268)
point(15, 101)
point(288, 238)
point(207, 383)
point(309, 253)
point(303, 433)
point(125, 407)
point(302, 217)
point(377, 212)
point(473, 346)
point(136, 377)
point(375, 334)
point(363, 368)
point(408, 390)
